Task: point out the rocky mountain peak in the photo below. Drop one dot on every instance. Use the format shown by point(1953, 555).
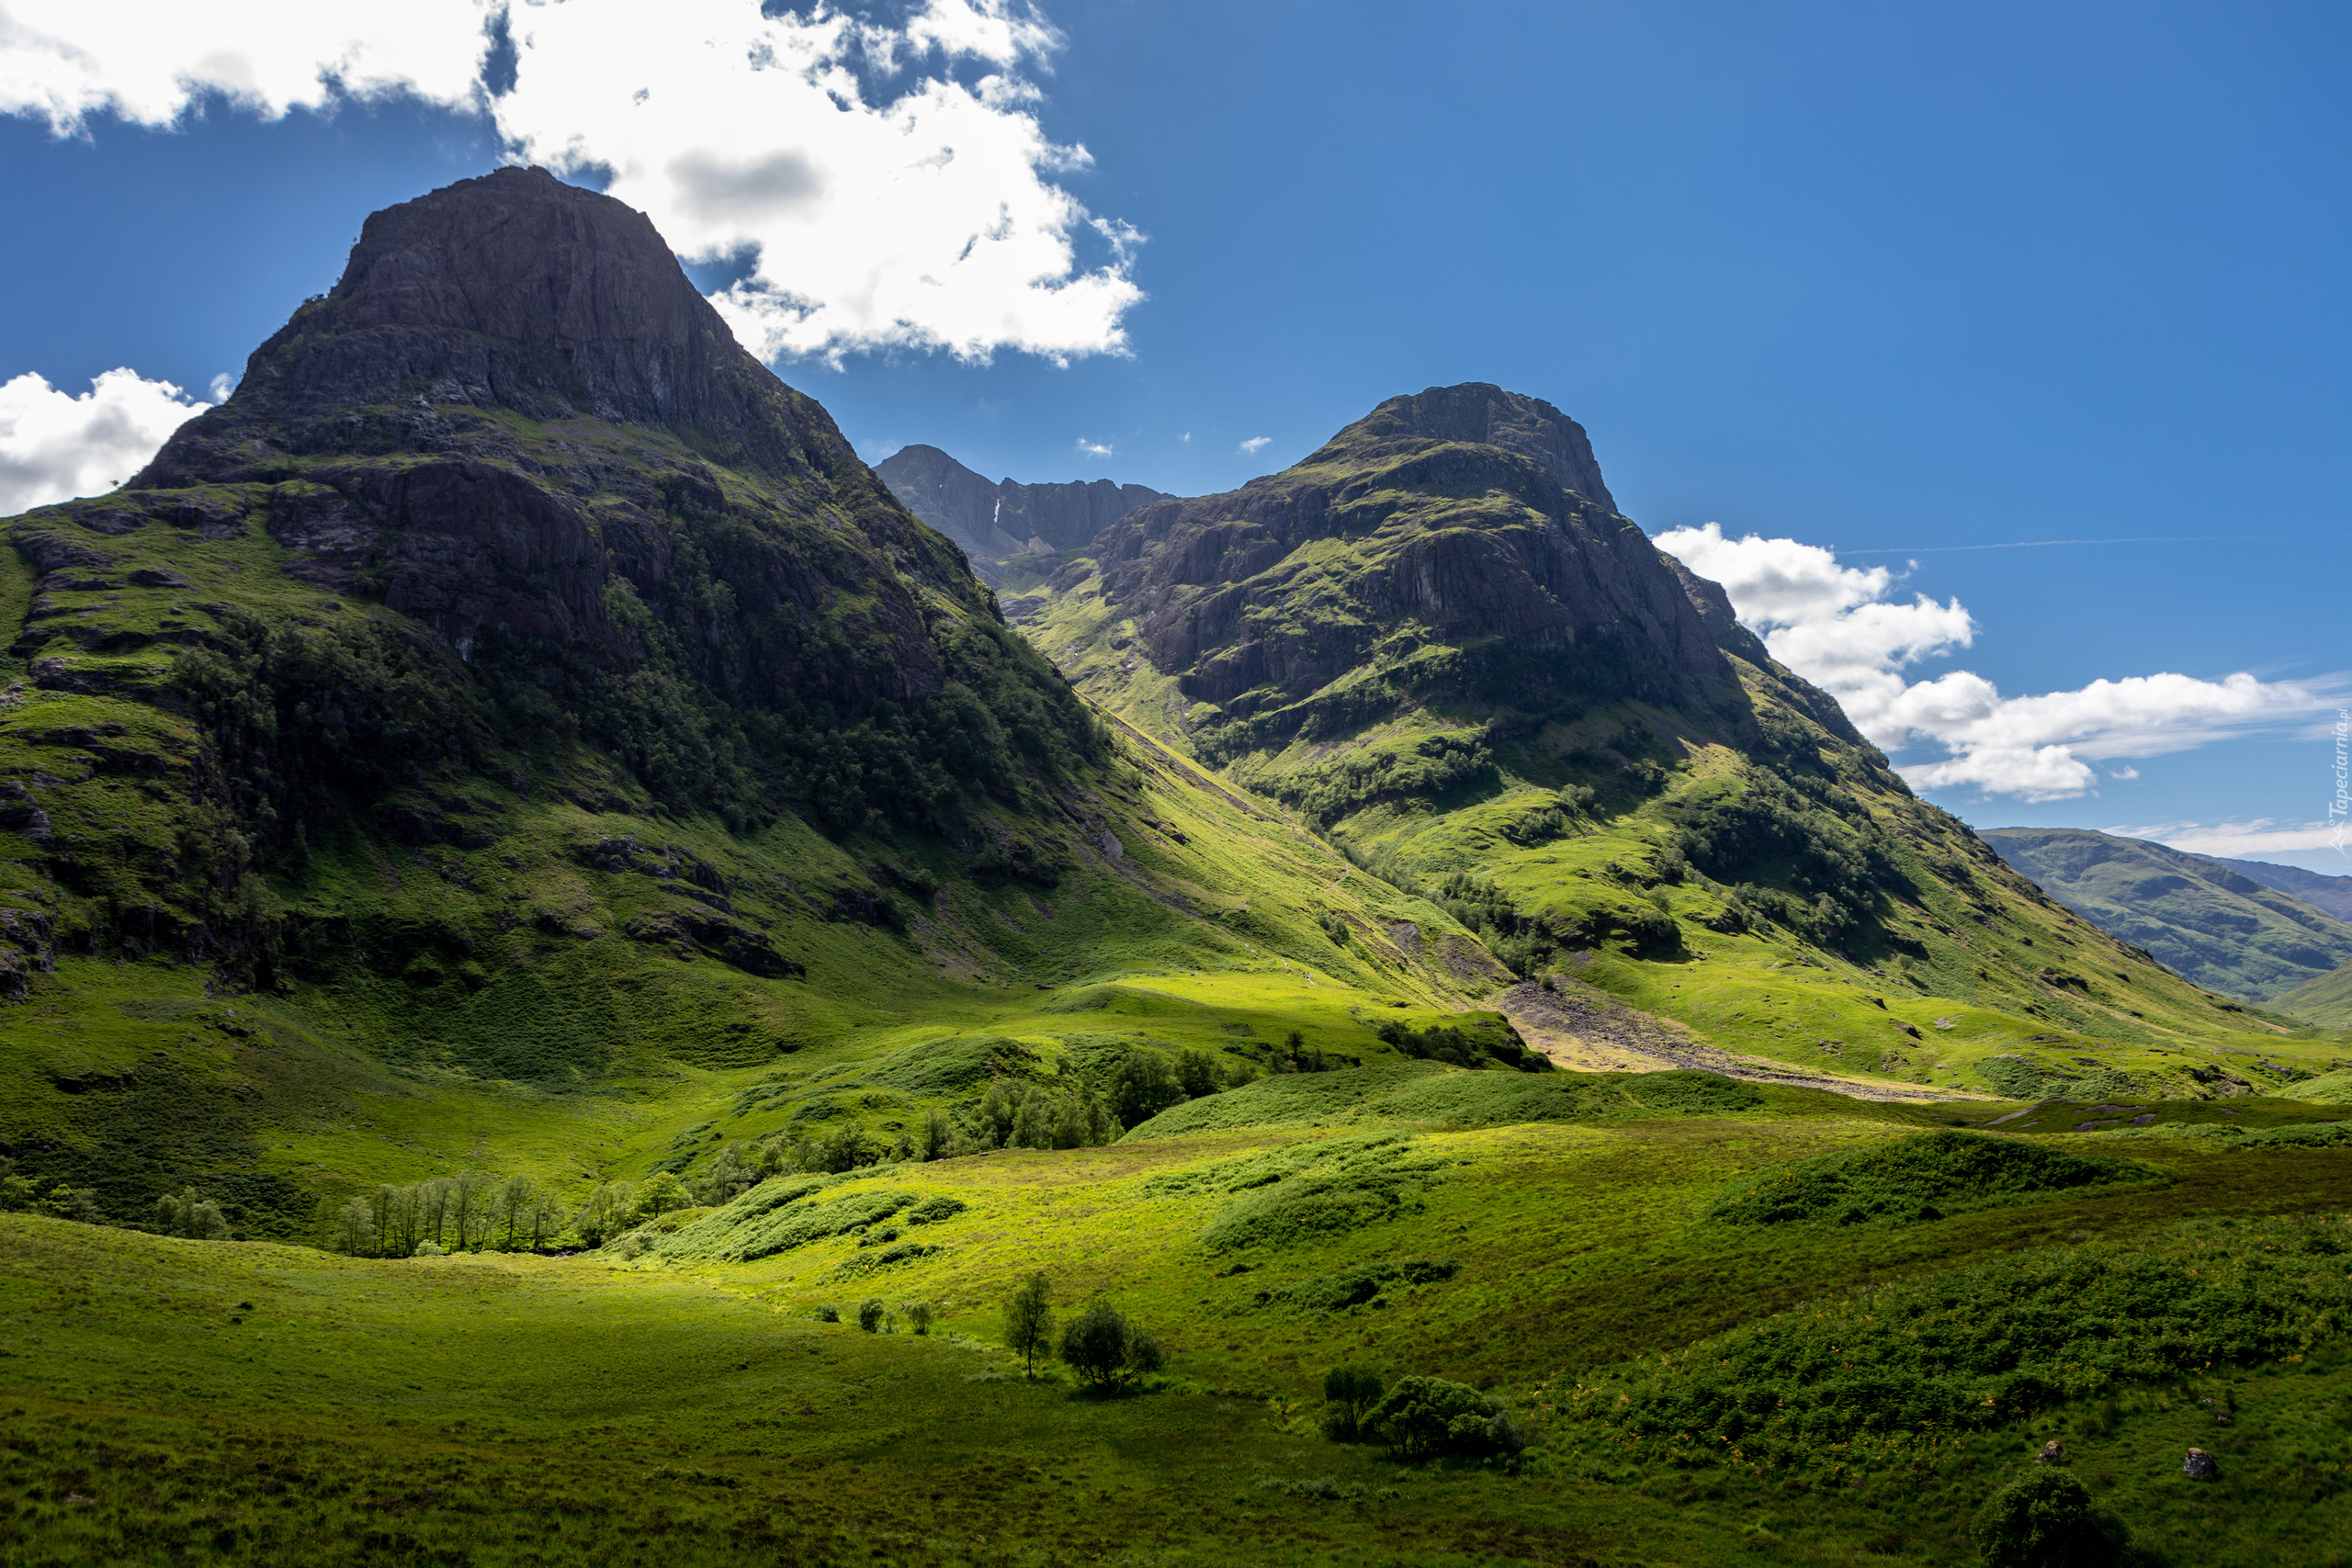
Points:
point(1481, 414)
point(511, 291)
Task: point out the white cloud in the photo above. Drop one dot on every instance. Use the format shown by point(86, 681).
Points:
point(1255, 443)
point(1093, 450)
point(1839, 627)
point(925, 219)
point(2265, 838)
point(55, 445)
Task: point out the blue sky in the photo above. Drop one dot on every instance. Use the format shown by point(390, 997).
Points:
point(1897, 282)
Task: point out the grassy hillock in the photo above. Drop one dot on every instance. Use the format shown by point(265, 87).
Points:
point(2201, 917)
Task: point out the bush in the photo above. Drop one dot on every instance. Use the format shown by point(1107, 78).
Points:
point(1106, 1350)
point(919, 1315)
point(829, 1314)
point(872, 1316)
point(1425, 1418)
point(2045, 1519)
point(428, 1250)
point(1349, 1395)
point(937, 1207)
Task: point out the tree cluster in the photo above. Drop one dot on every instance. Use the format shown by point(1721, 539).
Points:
point(1100, 1344)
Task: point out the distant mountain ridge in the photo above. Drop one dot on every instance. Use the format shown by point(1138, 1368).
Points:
point(993, 522)
point(2206, 918)
point(2330, 894)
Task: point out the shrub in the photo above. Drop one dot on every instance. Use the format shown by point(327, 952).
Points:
point(872, 1314)
point(938, 1206)
point(1922, 1176)
point(428, 1250)
point(829, 1314)
point(1349, 1395)
point(1425, 1418)
point(919, 1315)
point(1106, 1350)
point(2045, 1519)
point(1359, 1286)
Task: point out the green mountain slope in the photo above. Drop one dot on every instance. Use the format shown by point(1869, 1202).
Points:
point(516, 720)
point(2204, 920)
point(1433, 640)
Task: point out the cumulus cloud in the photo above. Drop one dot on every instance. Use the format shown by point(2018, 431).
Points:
point(1092, 448)
point(55, 446)
point(867, 185)
point(1252, 446)
point(1842, 628)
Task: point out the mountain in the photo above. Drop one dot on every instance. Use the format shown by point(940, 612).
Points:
point(1436, 640)
point(992, 523)
point(2331, 895)
point(515, 697)
point(2201, 917)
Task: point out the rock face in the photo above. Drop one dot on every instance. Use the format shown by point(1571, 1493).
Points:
point(1464, 522)
point(993, 521)
point(444, 428)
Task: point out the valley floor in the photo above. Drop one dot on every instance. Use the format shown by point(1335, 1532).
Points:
point(164, 1401)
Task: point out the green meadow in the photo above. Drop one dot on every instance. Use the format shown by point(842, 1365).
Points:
point(1704, 1301)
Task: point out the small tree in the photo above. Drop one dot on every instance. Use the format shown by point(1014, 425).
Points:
point(1142, 1086)
point(355, 1227)
point(80, 1203)
point(435, 1198)
point(1106, 1350)
point(1032, 1121)
point(2045, 1519)
point(657, 1195)
point(919, 1315)
point(470, 1207)
point(872, 1314)
point(936, 1139)
point(605, 1211)
point(1198, 1071)
point(997, 1108)
point(515, 1201)
point(1349, 1395)
point(1029, 1321)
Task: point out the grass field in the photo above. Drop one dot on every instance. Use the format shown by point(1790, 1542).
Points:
point(169, 1400)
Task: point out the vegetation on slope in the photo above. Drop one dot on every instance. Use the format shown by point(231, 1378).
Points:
point(1694, 833)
